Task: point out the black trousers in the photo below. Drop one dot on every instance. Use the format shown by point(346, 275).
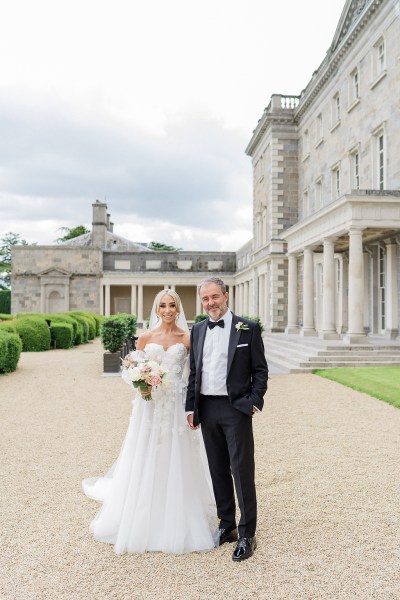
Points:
point(229, 443)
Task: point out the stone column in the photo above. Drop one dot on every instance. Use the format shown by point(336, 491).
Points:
point(232, 297)
point(261, 298)
point(133, 299)
point(107, 299)
point(355, 333)
point(246, 298)
point(199, 307)
point(101, 303)
point(308, 293)
point(392, 311)
point(140, 304)
point(293, 304)
point(328, 330)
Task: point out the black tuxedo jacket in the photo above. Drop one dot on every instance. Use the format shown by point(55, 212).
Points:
point(247, 370)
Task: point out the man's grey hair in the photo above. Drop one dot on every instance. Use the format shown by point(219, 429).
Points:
point(215, 280)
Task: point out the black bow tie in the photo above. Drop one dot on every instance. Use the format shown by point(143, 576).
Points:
point(213, 324)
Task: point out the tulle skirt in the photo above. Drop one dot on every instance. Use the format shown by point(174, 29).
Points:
point(158, 494)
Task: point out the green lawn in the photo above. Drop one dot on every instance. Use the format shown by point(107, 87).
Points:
point(381, 382)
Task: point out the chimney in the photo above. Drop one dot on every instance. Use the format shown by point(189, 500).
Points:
point(108, 222)
point(111, 230)
point(99, 224)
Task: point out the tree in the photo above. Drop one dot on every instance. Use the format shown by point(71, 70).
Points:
point(158, 246)
point(72, 232)
point(8, 240)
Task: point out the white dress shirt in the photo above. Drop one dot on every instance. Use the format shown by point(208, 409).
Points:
point(215, 358)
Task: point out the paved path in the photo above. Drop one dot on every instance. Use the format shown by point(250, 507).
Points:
point(327, 477)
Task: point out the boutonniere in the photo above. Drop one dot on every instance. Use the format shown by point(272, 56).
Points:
point(240, 326)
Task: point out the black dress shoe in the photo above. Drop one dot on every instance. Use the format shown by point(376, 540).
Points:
point(227, 535)
point(245, 548)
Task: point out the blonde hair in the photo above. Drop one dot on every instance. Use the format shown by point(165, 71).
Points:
point(165, 292)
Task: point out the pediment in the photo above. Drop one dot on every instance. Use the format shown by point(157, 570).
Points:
point(54, 272)
point(351, 13)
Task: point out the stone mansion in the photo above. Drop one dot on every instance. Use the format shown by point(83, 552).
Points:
point(325, 255)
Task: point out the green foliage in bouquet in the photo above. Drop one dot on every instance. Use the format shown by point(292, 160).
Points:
point(113, 333)
point(10, 351)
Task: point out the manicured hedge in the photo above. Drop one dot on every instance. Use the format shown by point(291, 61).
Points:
point(89, 319)
point(62, 334)
point(4, 317)
point(5, 301)
point(34, 333)
point(113, 333)
point(10, 351)
point(129, 321)
point(8, 326)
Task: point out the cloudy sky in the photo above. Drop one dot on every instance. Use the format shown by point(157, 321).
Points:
point(148, 106)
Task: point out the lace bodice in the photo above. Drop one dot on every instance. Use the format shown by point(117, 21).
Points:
point(173, 359)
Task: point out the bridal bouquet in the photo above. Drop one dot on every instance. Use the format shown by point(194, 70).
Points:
point(143, 373)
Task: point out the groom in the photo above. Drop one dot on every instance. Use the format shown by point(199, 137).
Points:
point(227, 382)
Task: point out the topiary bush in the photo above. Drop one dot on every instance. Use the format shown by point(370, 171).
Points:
point(8, 326)
point(4, 317)
point(130, 322)
point(89, 319)
point(84, 329)
point(113, 333)
point(62, 334)
point(10, 351)
point(34, 333)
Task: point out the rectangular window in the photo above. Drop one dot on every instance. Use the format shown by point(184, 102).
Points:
point(335, 111)
point(318, 194)
point(306, 208)
point(380, 49)
point(356, 171)
point(356, 85)
point(336, 182)
point(381, 163)
point(306, 144)
point(320, 127)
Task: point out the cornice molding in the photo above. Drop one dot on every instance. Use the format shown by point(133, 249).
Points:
point(343, 40)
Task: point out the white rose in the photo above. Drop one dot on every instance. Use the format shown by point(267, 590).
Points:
point(134, 374)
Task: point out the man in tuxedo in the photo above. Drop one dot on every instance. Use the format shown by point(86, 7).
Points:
point(227, 383)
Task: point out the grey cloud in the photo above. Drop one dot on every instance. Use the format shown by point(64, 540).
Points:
point(65, 160)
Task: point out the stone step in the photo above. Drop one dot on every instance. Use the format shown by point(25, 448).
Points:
point(295, 354)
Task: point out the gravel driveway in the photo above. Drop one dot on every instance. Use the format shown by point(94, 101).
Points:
point(328, 485)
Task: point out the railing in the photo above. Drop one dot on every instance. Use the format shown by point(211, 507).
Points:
point(280, 102)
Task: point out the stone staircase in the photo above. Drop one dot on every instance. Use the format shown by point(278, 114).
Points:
point(289, 353)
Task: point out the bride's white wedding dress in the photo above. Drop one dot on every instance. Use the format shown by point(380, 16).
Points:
point(158, 494)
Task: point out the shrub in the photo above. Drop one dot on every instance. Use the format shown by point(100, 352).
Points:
point(5, 301)
point(113, 333)
point(62, 334)
point(8, 326)
point(130, 322)
point(4, 317)
point(34, 333)
point(256, 319)
point(199, 318)
point(66, 318)
point(84, 330)
point(10, 351)
point(88, 318)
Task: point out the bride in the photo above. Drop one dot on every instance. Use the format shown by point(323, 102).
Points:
point(158, 494)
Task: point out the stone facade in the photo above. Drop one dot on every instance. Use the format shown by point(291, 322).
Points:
point(104, 273)
point(326, 170)
point(325, 258)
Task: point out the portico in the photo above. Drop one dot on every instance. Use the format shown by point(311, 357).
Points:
point(350, 248)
